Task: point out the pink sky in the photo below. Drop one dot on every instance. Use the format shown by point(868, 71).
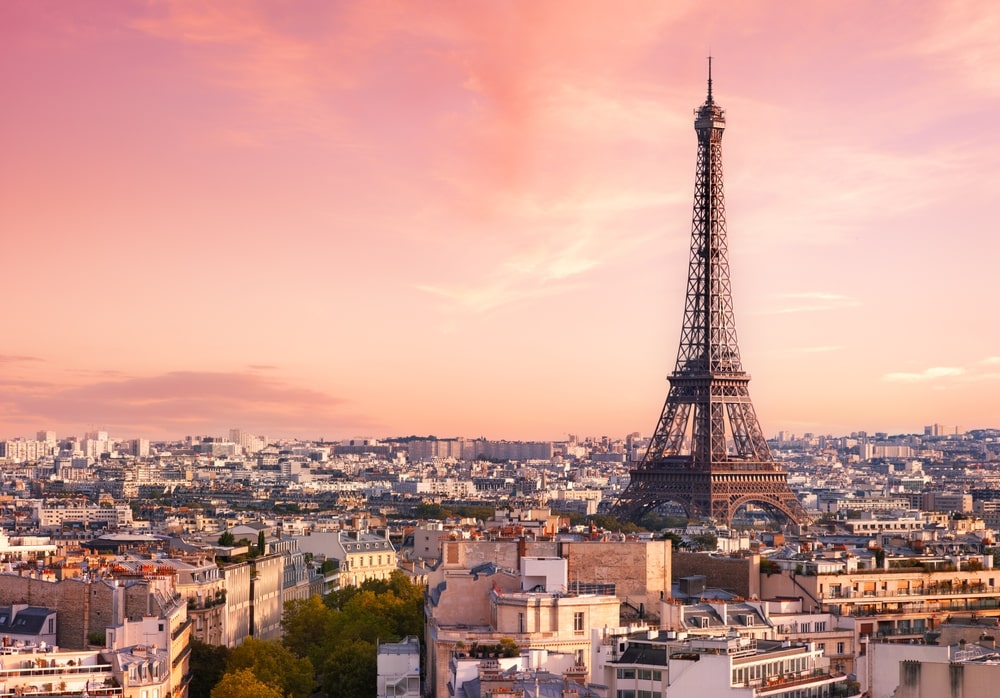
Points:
point(324, 219)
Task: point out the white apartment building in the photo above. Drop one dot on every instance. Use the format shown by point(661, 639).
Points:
point(666, 665)
point(59, 513)
point(399, 669)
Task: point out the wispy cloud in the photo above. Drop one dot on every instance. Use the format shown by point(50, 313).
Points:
point(816, 350)
point(18, 359)
point(973, 373)
point(183, 402)
point(929, 374)
point(812, 301)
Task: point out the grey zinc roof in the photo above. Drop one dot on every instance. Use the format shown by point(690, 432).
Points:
point(28, 621)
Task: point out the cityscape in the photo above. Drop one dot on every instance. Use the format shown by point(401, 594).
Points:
point(230, 280)
point(210, 541)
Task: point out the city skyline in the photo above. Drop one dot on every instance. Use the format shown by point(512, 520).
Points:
point(373, 219)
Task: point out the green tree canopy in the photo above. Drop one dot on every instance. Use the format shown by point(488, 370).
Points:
point(351, 670)
point(243, 684)
point(275, 665)
point(340, 633)
point(610, 523)
point(311, 628)
point(207, 664)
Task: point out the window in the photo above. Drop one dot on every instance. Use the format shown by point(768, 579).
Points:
point(626, 673)
point(840, 648)
point(821, 626)
point(645, 675)
point(520, 623)
point(627, 693)
point(578, 621)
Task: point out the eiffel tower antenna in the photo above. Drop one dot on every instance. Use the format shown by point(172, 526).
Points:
point(709, 100)
point(708, 453)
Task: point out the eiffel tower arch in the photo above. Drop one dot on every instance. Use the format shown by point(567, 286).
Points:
point(708, 453)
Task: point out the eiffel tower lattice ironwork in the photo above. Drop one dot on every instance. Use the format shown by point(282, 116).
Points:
point(708, 453)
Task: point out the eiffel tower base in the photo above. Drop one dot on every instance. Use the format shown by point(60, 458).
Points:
point(714, 495)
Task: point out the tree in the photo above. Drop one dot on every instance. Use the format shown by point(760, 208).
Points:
point(261, 543)
point(208, 662)
point(310, 628)
point(675, 539)
point(611, 523)
point(340, 632)
point(243, 684)
point(705, 541)
point(351, 670)
point(227, 539)
point(274, 664)
point(429, 510)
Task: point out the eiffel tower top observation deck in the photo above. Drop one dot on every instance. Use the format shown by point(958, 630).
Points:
point(708, 453)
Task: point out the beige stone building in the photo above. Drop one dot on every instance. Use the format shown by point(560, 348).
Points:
point(266, 578)
point(969, 670)
point(638, 569)
point(494, 610)
point(237, 578)
point(487, 590)
point(896, 605)
point(360, 555)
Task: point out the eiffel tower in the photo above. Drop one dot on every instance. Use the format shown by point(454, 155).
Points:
point(708, 453)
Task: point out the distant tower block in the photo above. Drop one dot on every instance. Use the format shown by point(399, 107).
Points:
point(708, 453)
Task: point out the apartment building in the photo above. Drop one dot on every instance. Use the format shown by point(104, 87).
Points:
point(655, 664)
point(487, 606)
point(899, 604)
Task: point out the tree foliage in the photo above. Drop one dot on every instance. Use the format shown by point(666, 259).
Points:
point(351, 670)
point(243, 684)
point(275, 665)
point(611, 523)
point(340, 633)
point(208, 662)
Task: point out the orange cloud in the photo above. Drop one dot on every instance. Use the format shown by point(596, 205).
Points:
point(186, 402)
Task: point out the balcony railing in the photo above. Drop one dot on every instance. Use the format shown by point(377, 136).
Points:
point(861, 595)
point(92, 692)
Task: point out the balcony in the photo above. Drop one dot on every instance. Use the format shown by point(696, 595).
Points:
point(780, 684)
point(939, 590)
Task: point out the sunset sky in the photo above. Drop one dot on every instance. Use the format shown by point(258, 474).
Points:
point(472, 218)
